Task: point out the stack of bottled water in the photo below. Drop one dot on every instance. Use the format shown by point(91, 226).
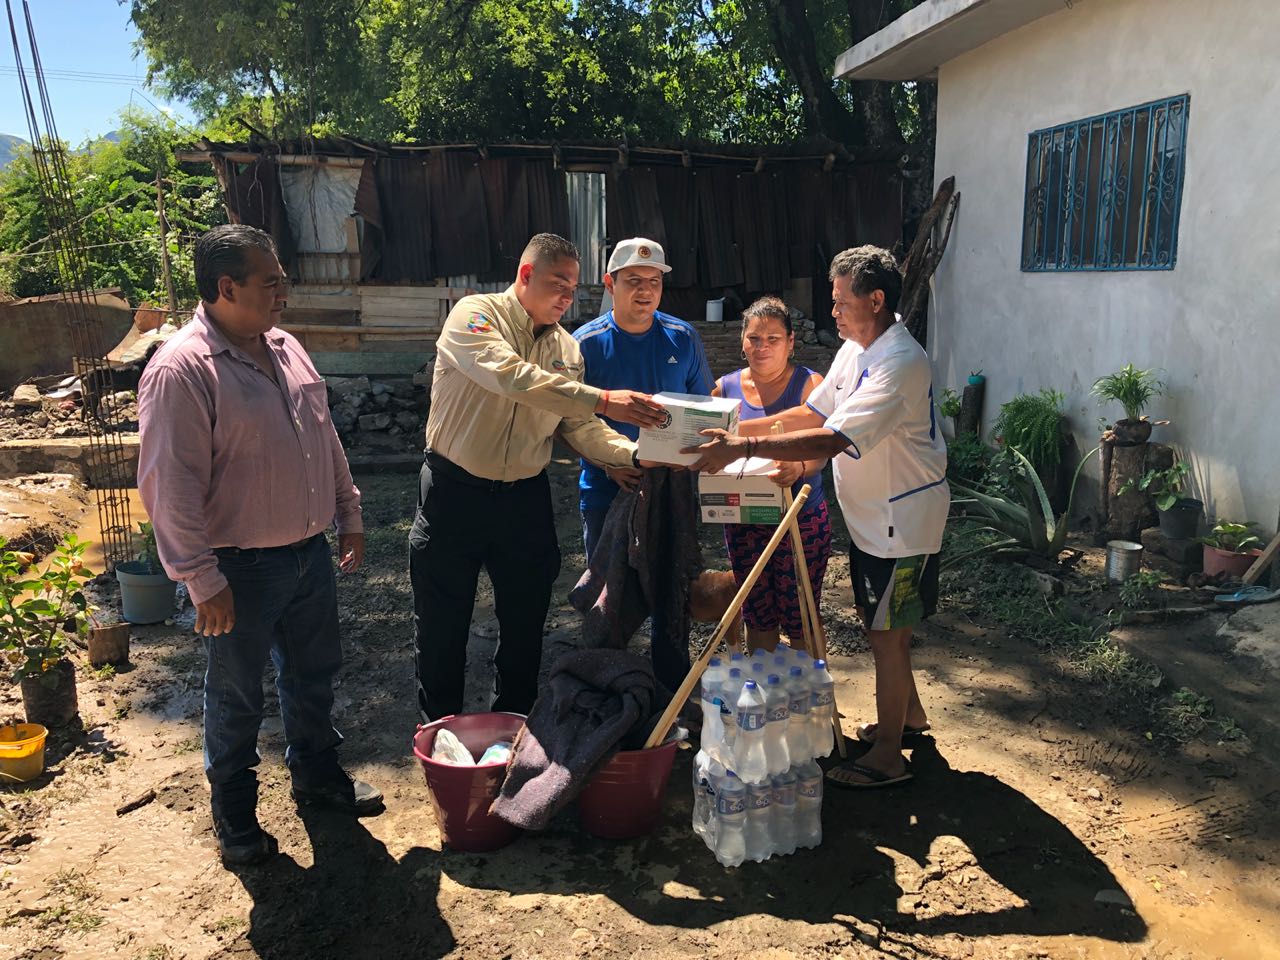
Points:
point(757, 788)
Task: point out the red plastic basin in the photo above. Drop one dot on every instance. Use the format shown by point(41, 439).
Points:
point(624, 799)
point(460, 796)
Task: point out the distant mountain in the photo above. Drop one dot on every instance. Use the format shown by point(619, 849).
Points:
point(8, 148)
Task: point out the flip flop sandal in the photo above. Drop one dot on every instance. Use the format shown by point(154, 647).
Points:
point(876, 779)
point(1254, 594)
point(866, 734)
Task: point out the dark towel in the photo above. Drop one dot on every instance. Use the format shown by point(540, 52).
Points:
point(647, 556)
point(593, 700)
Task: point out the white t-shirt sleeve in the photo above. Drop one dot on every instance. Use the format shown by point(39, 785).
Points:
point(874, 409)
point(826, 396)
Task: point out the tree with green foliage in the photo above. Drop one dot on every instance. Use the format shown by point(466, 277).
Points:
point(648, 70)
point(113, 190)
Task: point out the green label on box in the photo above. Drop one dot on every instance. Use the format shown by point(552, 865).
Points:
point(771, 515)
point(716, 415)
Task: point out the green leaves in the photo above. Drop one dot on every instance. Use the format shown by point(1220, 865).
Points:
point(35, 611)
point(647, 70)
point(113, 191)
point(1132, 388)
point(1029, 525)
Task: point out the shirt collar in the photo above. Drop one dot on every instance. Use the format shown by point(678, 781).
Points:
point(516, 309)
point(883, 343)
point(214, 339)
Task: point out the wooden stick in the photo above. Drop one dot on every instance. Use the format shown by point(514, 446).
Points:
point(1255, 571)
point(808, 643)
point(815, 638)
point(695, 672)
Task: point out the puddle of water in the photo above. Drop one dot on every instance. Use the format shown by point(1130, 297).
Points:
point(90, 530)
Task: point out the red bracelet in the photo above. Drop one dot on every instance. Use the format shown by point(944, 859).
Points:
point(604, 398)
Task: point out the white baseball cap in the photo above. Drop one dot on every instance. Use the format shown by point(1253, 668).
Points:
point(637, 252)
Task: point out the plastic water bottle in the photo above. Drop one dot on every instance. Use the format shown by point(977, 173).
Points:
point(821, 709)
point(729, 694)
point(707, 773)
point(783, 805)
point(712, 721)
point(799, 741)
point(781, 662)
point(802, 659)
point(748, 750)
point(759, 831)
point(758, 672)
point(731, 815)
point(808, 805)
point(759, 655)
point(737, 659)
point(777, 713)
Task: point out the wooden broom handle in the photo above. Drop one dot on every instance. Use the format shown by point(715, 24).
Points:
point(815, 642)
point(695, 672)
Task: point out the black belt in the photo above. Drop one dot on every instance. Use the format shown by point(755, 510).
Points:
point(296, 545)
point(447, 468)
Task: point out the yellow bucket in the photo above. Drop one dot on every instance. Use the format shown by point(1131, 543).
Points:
point(22, 751)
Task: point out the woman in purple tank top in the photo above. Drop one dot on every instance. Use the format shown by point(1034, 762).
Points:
point(769, 384)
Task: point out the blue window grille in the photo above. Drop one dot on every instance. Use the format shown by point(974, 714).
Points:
point(1105, 193)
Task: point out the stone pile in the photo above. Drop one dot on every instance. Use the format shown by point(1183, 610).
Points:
point(28, 415)
point(377, 416)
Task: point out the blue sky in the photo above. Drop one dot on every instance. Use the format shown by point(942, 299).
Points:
point(78, 37)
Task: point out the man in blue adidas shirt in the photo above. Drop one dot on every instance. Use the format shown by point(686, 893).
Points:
point(634, 347)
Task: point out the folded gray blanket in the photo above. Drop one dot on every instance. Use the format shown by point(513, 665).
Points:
point(593, 700)
point(647, 555)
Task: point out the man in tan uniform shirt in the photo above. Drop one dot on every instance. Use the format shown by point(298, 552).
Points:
point(507, 378)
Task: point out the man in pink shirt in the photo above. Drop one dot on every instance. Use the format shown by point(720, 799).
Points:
point(242, 472)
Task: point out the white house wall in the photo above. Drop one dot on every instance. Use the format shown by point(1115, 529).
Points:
point(1213, 323)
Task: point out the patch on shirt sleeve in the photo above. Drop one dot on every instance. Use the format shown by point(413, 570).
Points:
point(479, 323)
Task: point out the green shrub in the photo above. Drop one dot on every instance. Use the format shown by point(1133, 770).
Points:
point(968, 459)
point(1032, 424)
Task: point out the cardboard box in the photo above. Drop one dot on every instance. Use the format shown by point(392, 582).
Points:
point(741, 493)
point(686, 416)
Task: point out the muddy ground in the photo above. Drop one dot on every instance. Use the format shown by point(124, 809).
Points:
point(1047, 819)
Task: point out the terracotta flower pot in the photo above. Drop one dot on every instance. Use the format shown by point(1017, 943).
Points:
point(1235, 565)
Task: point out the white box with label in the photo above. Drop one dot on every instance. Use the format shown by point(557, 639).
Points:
point(741, 493)
point(687, 415)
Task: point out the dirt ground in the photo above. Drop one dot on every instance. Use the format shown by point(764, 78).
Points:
point(1042, 822)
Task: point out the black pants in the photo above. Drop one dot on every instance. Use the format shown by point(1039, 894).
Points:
point(465, 523)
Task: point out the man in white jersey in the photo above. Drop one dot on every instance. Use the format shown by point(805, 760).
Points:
point(874, 416)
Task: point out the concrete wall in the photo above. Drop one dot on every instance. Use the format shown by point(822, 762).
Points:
point(35, 338)
point(1213, 323)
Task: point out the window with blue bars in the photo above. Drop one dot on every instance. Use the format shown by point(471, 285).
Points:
point(1105, 193)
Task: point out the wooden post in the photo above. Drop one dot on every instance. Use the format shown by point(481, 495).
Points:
point(970, 419)
point(695, 672)
point(165, 269)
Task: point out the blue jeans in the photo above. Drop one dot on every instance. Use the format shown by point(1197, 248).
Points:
point(670, 656)
point(286, 609)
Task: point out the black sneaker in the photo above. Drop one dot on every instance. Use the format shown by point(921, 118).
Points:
point(246, 848)
point(350, 796)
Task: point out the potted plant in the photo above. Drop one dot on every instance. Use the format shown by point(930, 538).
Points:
point(146, 592)
point(1132, 389)
point(976, 379)
point(1179, 515)
point(36, 611)
point(1230, 548)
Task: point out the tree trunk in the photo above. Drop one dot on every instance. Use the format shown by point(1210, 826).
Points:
point(970, 419)
point(824, 112)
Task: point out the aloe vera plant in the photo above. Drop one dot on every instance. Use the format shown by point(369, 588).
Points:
point(1026, 526)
